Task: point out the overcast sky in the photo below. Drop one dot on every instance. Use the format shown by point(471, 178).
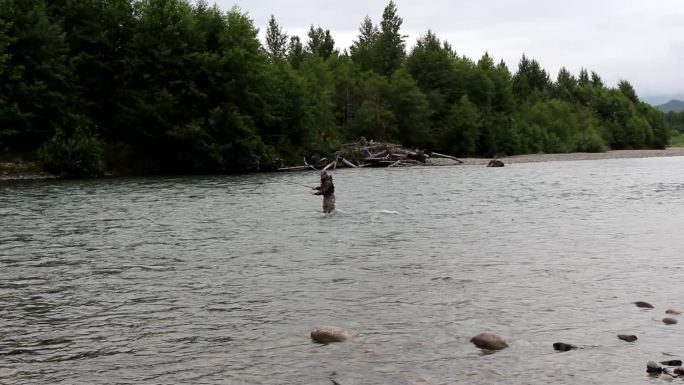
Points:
point(636, 40)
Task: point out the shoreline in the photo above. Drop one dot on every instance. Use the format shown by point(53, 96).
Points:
point(577, 156)
point(32, 174)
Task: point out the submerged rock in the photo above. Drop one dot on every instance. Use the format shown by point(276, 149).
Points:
point(643, 304)
point(669, 321)
point(627, 337)
point(653, 367)
point(673, 312)
point(563, 347)
point(328, 334)
point(672, 362)
point(489, 341)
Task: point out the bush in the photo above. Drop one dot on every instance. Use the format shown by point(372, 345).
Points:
point(590, 141)
point(78, 156)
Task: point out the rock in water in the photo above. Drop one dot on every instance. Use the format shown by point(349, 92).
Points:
point(495, 163)
point(489, 341)
point(563, 347)
point(653, 367)
point(678, 371)
point(672, 363)
point(627, 337)
point(327, 334)
point(643, 304)
point(673, 312)
point(669, 321)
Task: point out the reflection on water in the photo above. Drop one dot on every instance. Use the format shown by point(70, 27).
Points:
point(218, 280)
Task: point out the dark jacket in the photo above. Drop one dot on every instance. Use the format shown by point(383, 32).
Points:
point(326, 188)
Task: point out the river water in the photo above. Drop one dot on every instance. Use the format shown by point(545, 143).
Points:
point(219, 279)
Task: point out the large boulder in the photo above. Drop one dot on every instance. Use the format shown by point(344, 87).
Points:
point(328, 334)
point(489, 341)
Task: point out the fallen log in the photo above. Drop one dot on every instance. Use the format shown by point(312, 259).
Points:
point(331, 164)
point(438, 155)
point(378, 154)
point(348, 163)
point(294, 168)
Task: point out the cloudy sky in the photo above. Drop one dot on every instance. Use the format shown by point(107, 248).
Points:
point(636, 40)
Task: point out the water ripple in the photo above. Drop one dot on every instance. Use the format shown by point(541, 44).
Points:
point(219, 280)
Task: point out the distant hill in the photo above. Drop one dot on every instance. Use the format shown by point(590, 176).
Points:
point(673, 105)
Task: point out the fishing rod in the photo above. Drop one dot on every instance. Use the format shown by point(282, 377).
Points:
point(298, 184)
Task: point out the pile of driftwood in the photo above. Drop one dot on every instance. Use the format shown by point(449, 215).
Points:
point(372, 154)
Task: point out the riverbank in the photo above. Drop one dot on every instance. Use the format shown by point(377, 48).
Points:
point(23, 170)
point(615, 154)
point(30, 170)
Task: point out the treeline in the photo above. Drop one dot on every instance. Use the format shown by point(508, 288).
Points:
point(675, 120)
point(174, 86)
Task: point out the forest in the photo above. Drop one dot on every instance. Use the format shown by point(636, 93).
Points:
point(173, 86)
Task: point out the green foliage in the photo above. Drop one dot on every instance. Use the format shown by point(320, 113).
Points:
point(77, 155)
point(35, 82)
point(181, 86)
point(460, 136)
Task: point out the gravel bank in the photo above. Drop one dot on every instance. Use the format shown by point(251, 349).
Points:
point(616, 154)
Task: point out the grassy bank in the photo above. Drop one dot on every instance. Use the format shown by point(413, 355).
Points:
point(677, 140)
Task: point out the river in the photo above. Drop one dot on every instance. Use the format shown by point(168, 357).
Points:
point(219, 279)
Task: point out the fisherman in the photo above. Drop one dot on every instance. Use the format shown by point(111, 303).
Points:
point(327, 189)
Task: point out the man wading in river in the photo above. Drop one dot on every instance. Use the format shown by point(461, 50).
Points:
point(327, 189)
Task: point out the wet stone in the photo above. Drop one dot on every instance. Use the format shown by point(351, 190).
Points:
point(653, 367)
point(489, 341)
point(643, 304)
point(563, 347)
point(627, 337)
point(328, 334)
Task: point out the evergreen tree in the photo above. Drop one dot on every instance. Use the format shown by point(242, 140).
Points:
point(565, 87)
point(363, 50)
point(295, 53)
point(320, 42)
point(276, 40)
point(626, 88)
point(530, 79)
point(390, 48)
